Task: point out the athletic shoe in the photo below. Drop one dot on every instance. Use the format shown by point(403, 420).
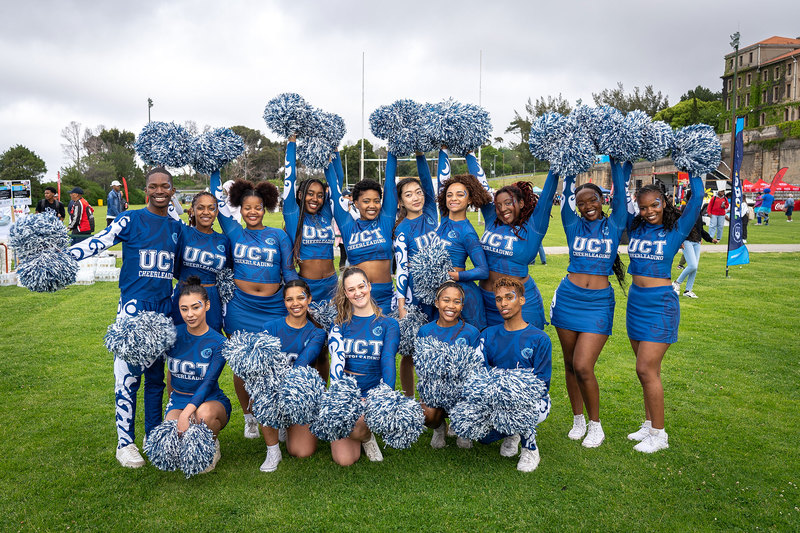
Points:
point(510, 446)
point(372, 449)
point(450, 432)
point(744, 241)
point(642, 432)
point(578, 427)
point(274, 457)
point(217, 455)
point(438, 440)
point(463, 443)
point(656, 440)
point(689, 294)
point(594, 435)
point(282, 435)
point(129, 456)
point(528, 460)
point(676, 287)
point(680, 266)
point(250, 427)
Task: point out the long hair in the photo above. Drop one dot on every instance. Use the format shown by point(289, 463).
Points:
point(192, 219)
point(264, 190)
point(402, 212)
point(344, 309)
point(300, 198)
point(478, 196)
point(519, 191)
point(618, 267)
point(304, 286)
point(670, 215)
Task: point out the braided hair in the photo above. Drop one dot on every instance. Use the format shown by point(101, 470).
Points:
point(618, 267)
point(670, 215)
point(300, 198)
point(478, 196)
point(520, 191)
point(192, 219)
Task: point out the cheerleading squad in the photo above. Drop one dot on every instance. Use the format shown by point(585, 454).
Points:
point(285, 284)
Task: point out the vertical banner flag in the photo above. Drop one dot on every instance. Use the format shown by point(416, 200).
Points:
point(737, 251)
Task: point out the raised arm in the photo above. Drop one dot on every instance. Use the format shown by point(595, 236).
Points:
point(620, 174)
point(312, 348)
point(540, 219)
point(175, 209)
point(227, 222)
point(291, 211)
point(426, 182)
point(692, 208)
point(113, 234)
point(389, 204)
point(391, 340)
point(475, 169)
point(568, 216)
point(442, 170)
point(340, 208)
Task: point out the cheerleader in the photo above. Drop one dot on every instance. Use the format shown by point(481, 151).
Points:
point(653, 310)
point(195, 363)
point(449, 327)
point(582, 309)
point(204, 252)
point(362, 343)
point(304, 340)
point(368, 237)
point(262, 260)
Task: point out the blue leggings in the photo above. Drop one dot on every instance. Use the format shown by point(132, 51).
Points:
point(691, 252)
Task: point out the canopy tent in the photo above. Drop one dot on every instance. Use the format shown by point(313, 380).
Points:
point(783, 186)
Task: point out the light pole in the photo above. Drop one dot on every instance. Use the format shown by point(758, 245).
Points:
point(735, 45)
point(149, 105)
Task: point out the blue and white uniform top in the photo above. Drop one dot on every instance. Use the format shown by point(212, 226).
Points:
point(366, 348)
point(443, 171)
point(195, 363)
point(460, 334)
point(302, 345)
point(529, 347)
point(509, 250)
point(462, 241)
point(316, 241)
point(259, 255)
point(593, 244)
point(203, 255)
point(652, 248)
point(150, 245)
point(412, 235)
point(365, 240)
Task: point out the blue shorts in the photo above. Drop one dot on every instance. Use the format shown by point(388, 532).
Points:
point(382, 294)
point(213, 316)
point(129, 306)
point(653, 314)
point(179, 400)
point(583, 310)
point(322, 289)
point(366, 382)
point(248, 312)
point(473, 312)
point(532, 311)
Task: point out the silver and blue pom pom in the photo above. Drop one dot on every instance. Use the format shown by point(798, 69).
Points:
point(428, 268)
point(657, 140)
point(253, 355)
point(398, 419)
point(574, 153)
point(265, 402)
point(461, 127)
point(214, 149)
point(288, 114)
point(38, 233)
point(409, 326)
point(471, 418)
point(546, 133)
point(164, 144)
point(518, 395)
point(197, 449)
point(621, 137)
point(589, 119)
point(401, 125)
point(315, 152)
point(301, 394)
point(339, 410)
point(324, 313)
point(225, 285)
point(47, 271)
point(696, 149)
point(163, 446)
point(140, 340)
point(442, 370)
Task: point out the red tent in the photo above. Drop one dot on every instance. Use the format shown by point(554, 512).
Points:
point(760, 185)
point(748, 186)
point(783, 186)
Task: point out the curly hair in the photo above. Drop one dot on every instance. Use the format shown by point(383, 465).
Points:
point(478, 196)
point(266, 191)
point(519, 191)
point(192, 219)
point(366, 185)
point(670, 215)
point(300, 198)
point(511, 283)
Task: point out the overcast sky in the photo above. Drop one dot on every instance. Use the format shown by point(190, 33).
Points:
point(218, 63)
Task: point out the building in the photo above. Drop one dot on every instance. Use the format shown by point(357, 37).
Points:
point(767, 89)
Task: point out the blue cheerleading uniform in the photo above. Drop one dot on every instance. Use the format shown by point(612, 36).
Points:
point(202, 255)
point(317, 234)
point(592, 250)
point(365, 348)
point(367, 240)
point(195, 363)
point(653, 313)
point(461, 334)
point(259, 256)
point(150, 244)
point(303, 345)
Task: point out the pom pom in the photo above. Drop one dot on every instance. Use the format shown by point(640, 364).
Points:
point(518, 399)
point(315, 152)
point(300, 395)
point(197, 449)
point(575, 153)
point(471, 418)
point(696, 149)
point(339, 410)
point(401, 124)
point(443, 370)
point(265, 402)
point(621, 137)
point(589, 119)
point(163, 446)
point(461, 127)
point(477, 131)
point(214, 149)
point(546, 132)
point(140, 340)
point(288, 114)
point(34, 234)
point(164, 144)
point(225, 285)
point(393, 416)
point(47, 271)
point(428, 268)
point(657, 140)
point(324, 313)
point(252, 355)
point(409, 326)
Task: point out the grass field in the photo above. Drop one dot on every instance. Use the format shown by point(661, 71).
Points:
point(731, 412)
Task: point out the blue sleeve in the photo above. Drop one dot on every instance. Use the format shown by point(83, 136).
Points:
point(542, 359)
point(475, 169)
point(540, 219)
point(312, 349)
point(391, 341)
point(287, 261)
point(568, 216)
point(291, 211)
point(335, 346)
point(211, 378)
point(480, 268)
point(482, 351)
point(389, 204)
point(620, 174)
point(401, 258)
point(226, 220)
point(442, 170)
point(340, 211)
point(115, 233)
point(692, 208)
point(426, 183)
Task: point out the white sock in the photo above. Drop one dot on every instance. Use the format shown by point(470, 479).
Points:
point(274, 448)
point(578, 419)
point(248, 417)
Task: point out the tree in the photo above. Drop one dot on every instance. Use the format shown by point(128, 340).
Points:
point(693, 111)
point(20, 163)
point(261, 160)
point(352, 155)
point(110, 156)
point(702, 93)
point(75, 142)
point(522, 125)
point(649, 101)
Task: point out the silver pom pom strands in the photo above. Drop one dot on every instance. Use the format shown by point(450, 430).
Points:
point(429, 268)
point(399, 420)
point(225, 285)
point(288, 114)
point(164, 144)
point(163, 446)
point(409, 326)
point(197, 449)
point(214, 149)
point(140, 340)
point(401, 125)
point(461, 127)
point(265, 402)
point(301, 394)
point(658, 139)
point(40, 241)
point(48, 271)
point(324, 313)
point(696, 150)
point(340, 409)
point(443, 370)
point(253, 355)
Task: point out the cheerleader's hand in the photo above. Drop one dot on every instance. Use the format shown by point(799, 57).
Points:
point(183, 421)
point(453, 275)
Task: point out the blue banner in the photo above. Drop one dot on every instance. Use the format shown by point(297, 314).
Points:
point(737, 250)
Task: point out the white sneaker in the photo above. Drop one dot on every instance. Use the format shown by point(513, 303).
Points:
point(656, 440)
point(372, 449)
point(578, 427)
point(250, 427)
point(274, 457)
point(282, 435)
point(217, 455)
point(642, 432)
point(594, 435)
point(676, 287)
point(130, 457)
point(510, 446)
point(465, 444)
point(450, 432)
point(528, 460)
point(438, 439)
point(689, 294)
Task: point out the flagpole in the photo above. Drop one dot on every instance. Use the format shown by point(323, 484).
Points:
point(735, 45)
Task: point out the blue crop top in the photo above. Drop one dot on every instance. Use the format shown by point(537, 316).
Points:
point(203, 255)
point(195, 363)
point(316, 241)
point(652, 248)
point(461, 241)
point(365, 347)
point(303, 345)
point(259, 255)
point(461, 334)
point(525, 348)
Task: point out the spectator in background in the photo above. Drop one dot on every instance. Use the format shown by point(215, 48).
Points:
point(691, 253)
point(766, 206)
point(115, 203)
point(717, 208)
point(51, 202)
point(81, 216)
point(788, 205)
